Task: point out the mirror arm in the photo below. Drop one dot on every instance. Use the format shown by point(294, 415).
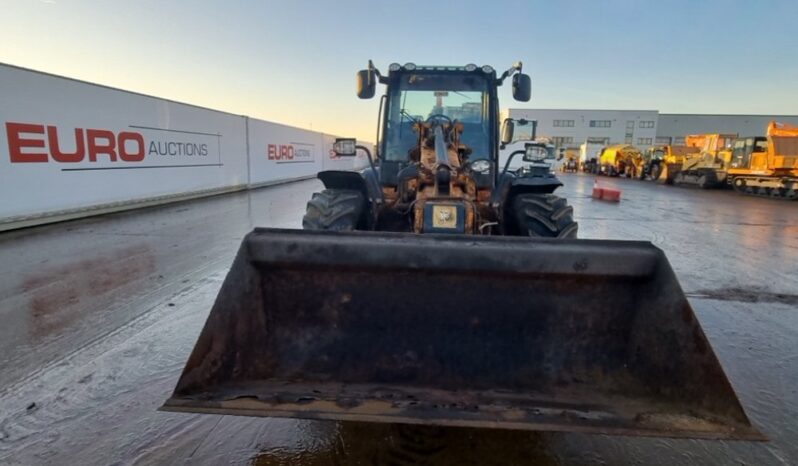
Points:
point(380, 78)
point(368, 154)
point(510, 159)
point(517, 66)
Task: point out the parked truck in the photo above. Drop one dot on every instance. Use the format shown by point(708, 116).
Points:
point(620, 160)
point(589, 154)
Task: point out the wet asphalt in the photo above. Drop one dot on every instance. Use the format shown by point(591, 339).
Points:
point(98, 316)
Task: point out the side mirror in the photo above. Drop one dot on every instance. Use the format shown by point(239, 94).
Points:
point(507, 132)
point(366, 84)
point(345, 147)
point(522, 87)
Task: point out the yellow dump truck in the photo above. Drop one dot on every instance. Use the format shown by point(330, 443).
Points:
point(707, 168)
point(766, 166)
point(620, 160)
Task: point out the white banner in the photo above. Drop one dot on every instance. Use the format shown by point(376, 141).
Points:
point(282, 152)
point(69, 146)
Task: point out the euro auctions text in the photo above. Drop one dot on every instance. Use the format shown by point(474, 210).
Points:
point(40, 143)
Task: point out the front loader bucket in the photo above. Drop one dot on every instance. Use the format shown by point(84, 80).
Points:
point(517, 333)
point(668, 173)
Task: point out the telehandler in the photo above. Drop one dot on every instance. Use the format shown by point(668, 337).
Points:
point(439, 287)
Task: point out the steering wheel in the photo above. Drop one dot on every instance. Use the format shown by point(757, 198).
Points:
point(438, 116)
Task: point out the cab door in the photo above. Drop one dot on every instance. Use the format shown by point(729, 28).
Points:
point(740, 156)
point(757, 150)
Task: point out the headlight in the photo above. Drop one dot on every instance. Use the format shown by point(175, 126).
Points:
point(481, 166)
point(535, 154)
point(345, 147)
point(410, 66)
point(470, 67)
point(394, 67)
point(487, 69)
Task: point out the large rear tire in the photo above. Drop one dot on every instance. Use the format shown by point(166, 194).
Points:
point(544, 215)
point(334, 209)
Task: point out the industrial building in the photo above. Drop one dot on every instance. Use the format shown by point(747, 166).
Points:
point(641, 128)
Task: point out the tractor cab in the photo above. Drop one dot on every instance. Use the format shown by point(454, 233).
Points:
point(461, 96)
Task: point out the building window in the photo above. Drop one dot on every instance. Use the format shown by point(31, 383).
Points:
point(678, 141)
point(644, 141)
point(600, 123)
point(646, 124)
point(564, 123)
point(560, 141)
point(628, 139)
point(598, 140)
point(630, 124)
point(663, 140)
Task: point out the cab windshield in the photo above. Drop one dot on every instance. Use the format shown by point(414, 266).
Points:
point(416, 97)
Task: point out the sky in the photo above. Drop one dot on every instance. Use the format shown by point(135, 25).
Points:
point(294, 62)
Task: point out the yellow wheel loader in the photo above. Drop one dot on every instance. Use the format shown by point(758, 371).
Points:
point(438, 287)
point(570, 162)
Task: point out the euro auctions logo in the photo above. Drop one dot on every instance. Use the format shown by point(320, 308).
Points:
point(280, 152)
point(32, 143)
point(107, 149)
point(295, 152)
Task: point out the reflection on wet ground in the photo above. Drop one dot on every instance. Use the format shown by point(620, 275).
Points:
point(56, 293)
point(99, 315)
point(386, 445)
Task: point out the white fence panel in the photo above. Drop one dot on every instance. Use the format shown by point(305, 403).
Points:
point(67, 145)
point(70, 148)
point(279, 152)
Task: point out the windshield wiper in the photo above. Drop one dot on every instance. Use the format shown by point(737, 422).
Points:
point(410, 117)
point(402, 114)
